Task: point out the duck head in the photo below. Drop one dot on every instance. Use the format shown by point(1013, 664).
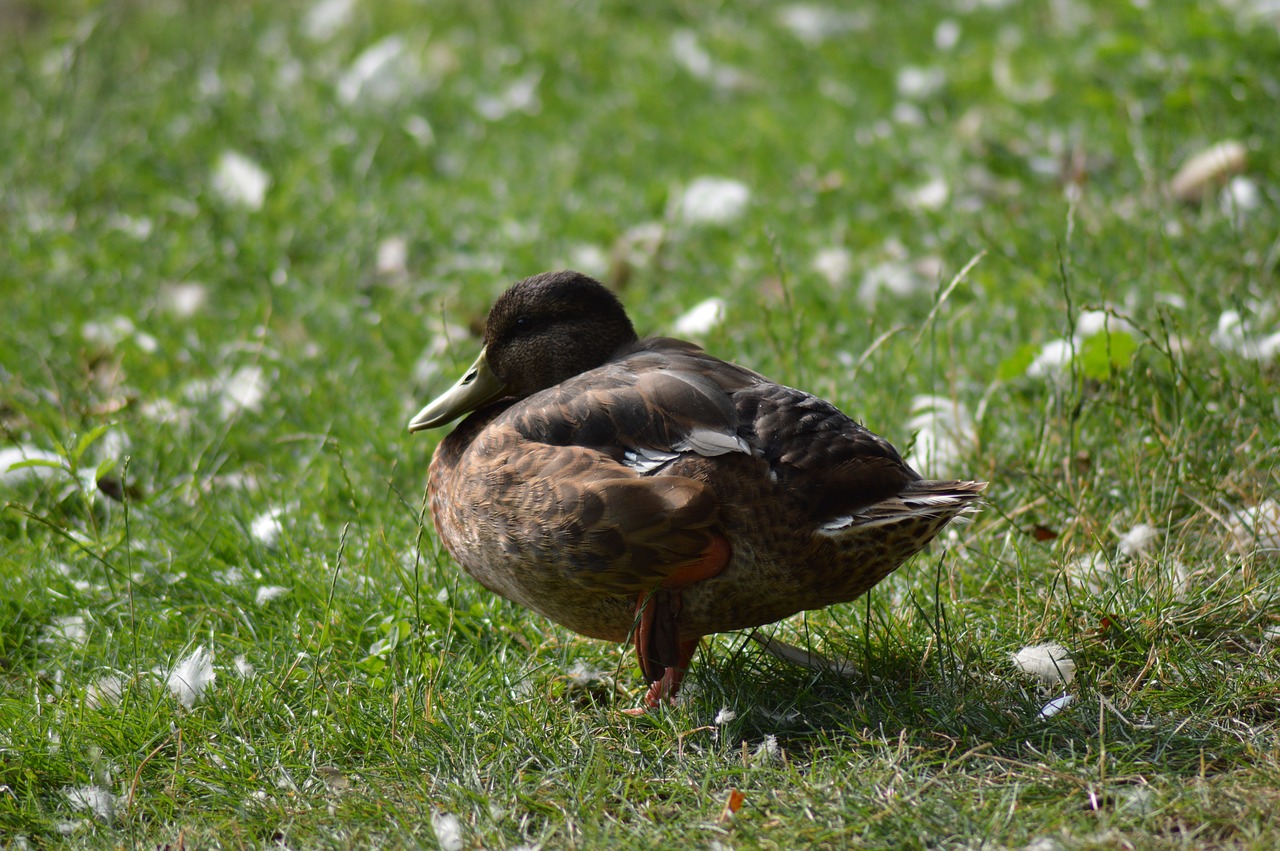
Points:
point(540, 332)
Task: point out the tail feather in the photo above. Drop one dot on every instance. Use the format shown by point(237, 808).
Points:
point(938, 500)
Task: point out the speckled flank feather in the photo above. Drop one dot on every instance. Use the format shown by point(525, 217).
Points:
point(660, 466)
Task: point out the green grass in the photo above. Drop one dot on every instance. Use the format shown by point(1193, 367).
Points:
point(387, 687)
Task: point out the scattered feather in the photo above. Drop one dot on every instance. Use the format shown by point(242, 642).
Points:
point(1208, 169)
point(244, 668)
point(184, 299)
point(108, 333)
point(1092, 572)
point(192, 676)
point(804, 658)
point(589, 259)
point(895, 277)
point(1014, 90)
point(835, 264)
point(266, 528)
point(1239, 197)
point(420, 129)
point(930, 196)
point(813, 24)
point(690, 55)
point(1093, 322)
point(267, 593)
point(640, 244)
point(1235, 335)
point(946, 35)
point(97, 801)
point(724, 716)
point(1180, 577)
point(326, 18)
point(1055, 706)
point(713, 201)
point(1056, 356)
point(1257, 528)
point(521, 95)
point(1138, 540)
point(12, 456)
point(393, 257)
point(240, 181)
point(767, 751)
point(68, 629)
point(585, 676)
point(448, 830)
point(243, 390)
point(104, 691)
point(138, 227)
point(1050, 663)
point(915, 83)
point(944, 433)
point(381, 74)
point(700, 318)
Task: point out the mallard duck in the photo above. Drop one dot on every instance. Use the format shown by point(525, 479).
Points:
point(643, 489)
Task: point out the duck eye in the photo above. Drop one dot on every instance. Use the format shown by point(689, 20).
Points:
point(525, 324)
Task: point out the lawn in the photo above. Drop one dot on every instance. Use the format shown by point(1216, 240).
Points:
point(242, 243)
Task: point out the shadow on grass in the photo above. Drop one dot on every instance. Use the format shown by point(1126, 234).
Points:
point(945, 707)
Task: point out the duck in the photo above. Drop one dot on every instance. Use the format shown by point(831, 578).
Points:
point(642, 490)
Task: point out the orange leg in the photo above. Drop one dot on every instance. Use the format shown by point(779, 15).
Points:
point(663, 656)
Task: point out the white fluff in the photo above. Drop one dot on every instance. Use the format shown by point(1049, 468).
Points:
point(240, 181)
point(266, 528)
point(700, 318)
point(192, 676)
point(946, 35)
point(267, 593)
point(1257, 528)
point(13, 455)
point(326, 18)
point(1050, 663)
point(929, 196)
point(1235, 335)
point(105, 691)
point(689, 54)
point(93, 799)
point(379, 75)
point(896, 277)
point(835, 264)
point(713, 201)
point(813, 24)
point(944, 430)
point(183, 299)
point(521, 95)
point(69, 629)
point(448, 830)
point(767, 751)
point(1241, 195)
point(243, 390)
point(724, 716)
point(393, 256)
point(1053, 361)
point(1138, 540)
point(1056, 705)
point(916, 83)
point(1206, 168)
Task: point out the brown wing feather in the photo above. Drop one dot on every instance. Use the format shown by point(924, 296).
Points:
point(613, 530)
point(819, 453)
